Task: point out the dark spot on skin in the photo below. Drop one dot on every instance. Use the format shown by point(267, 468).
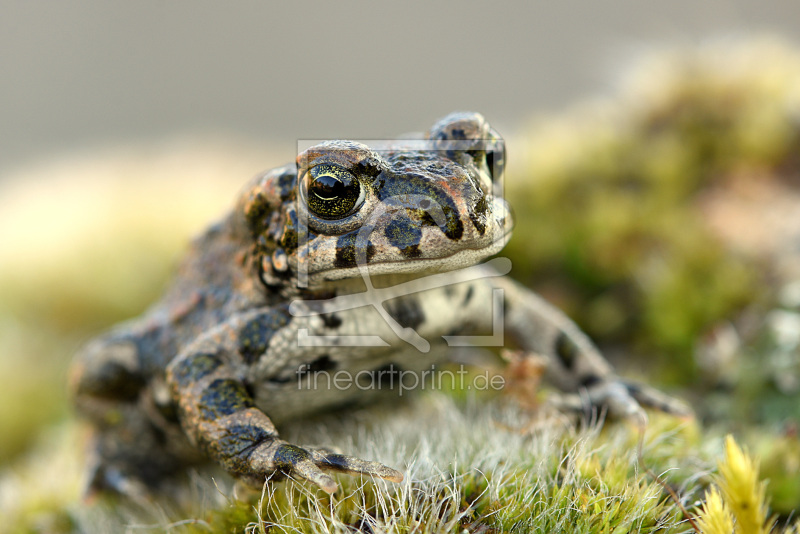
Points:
point(566, 350)
point(412, 252)
point(454, 228)
point(286, 183)
point(222, 397)
point(633, 388)
point(495, 160)
point(253, 341)
point(235, 447)
point(449, 291)
point(506, 308)
point(169, 411)
point(194, 367)
point(287, 456)
point(323, 363)
point(426, 219)
point(590, 380)
point(260, 207)
point(468, 296)
point(346, 251)
point(424, 204)
point(331, 320)
point(250, 389)
point(254, 337)
point(369, 167)
point(255, 214)
point(114, 381)
point(404, 180)
point(406, 311)
point(404, 235)
point(478, 215)
point(289, 233)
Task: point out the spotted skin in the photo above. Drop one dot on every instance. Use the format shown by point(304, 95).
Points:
point(194, 368)
point(207, 373)
point(254, 337)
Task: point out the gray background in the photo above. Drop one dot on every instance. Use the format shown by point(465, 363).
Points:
point(98, 72)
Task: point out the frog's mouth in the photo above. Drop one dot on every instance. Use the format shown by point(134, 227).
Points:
point(397, 244)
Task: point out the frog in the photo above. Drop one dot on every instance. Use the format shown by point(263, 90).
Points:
point(353, 261)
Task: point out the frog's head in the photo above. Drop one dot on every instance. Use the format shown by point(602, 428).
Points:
point(346, 209)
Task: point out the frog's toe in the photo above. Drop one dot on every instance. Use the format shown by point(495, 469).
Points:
point(310, 471)
point(353, 466)
point(625, 400)
point(297, 461)
point(615, 396)
point(607, 398)
point(311, 464)
point(650, 397)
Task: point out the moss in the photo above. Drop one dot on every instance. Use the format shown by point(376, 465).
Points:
point(613, 227)
point(737, 501)
point(780, 465)
point(474, 465)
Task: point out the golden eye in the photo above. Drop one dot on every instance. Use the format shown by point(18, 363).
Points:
point(331, 192)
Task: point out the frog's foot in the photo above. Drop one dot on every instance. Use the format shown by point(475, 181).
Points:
point(621, 399)
point(311, 464)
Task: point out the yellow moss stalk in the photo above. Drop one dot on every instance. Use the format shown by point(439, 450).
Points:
point(739, 503)
point(715, 518)
point(743, 493)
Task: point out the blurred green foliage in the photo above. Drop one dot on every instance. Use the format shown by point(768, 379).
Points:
point(607, 200)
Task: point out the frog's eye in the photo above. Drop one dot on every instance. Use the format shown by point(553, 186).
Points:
point(331, 192)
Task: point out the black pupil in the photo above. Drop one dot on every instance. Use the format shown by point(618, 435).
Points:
point(327, 187)
point(332, 192)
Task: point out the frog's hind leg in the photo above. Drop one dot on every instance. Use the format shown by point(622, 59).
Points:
point(130, 454)
point(619, 398)
point(574, 364)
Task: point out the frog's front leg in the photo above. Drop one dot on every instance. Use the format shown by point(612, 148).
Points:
point(574, 364)
point(218, 413)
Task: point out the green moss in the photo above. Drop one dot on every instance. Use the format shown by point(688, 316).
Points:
point(469, 465)
point(611, 220)
point(780, 465)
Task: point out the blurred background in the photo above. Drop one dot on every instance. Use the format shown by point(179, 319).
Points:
point(653, 166)
point(92, 74)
